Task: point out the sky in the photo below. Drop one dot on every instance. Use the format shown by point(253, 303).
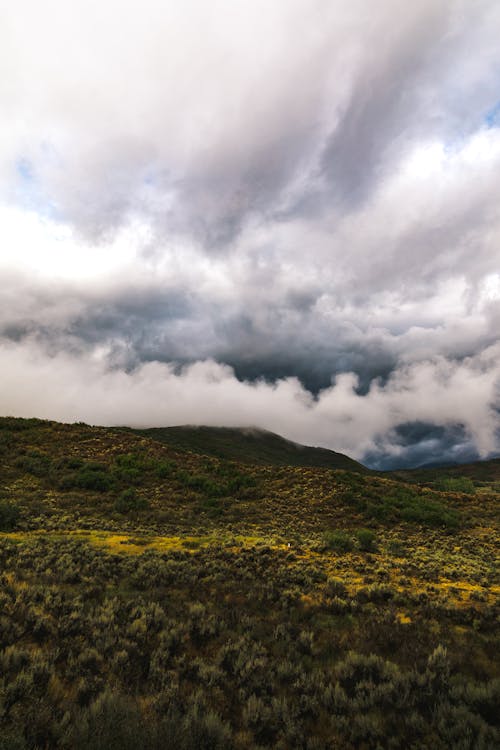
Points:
point(277, 214)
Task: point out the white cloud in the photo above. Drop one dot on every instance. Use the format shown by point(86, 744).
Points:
point(298, 188)
point(437, 391)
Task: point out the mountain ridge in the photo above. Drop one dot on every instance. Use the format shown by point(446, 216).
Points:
point(249, 444)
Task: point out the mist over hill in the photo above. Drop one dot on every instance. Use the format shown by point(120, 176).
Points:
point(249, 445)
point(264, 237)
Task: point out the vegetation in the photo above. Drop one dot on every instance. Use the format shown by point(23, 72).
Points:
point(399, 502)
point(9, 515)
point(154, 598)
point(366, 540)
point(249, 446)
point(338, 541)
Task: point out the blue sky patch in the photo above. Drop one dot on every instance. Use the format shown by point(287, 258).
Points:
point(492, 117)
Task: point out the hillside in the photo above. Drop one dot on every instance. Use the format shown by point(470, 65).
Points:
point(480, 474)
point(155, 597)
point(249, 445)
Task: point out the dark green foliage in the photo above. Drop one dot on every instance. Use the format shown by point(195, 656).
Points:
point(335, 588)
point(15, 424)
point(130, 500)
point(401, 503)
point(35, 463)
point(366, 540)
point(13, 740)
point(250, 446)
point(130, 468)
point(338, 541)
point(115, 722)
point(225, 482)
point(9, 515)
point(480, 474)
point(90, 477)
point(429, 512)
point(456, 484)
point(165, 469)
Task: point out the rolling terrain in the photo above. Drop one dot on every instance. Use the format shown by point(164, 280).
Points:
point(480, 474)
point(157, 597)
point(250, 446)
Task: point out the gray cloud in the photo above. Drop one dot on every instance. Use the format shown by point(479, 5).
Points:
point(304, 192)
point(435, 392)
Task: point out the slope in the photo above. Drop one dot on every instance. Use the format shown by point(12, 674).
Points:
point(477, 476)
point(250, 445)
point(156, 597)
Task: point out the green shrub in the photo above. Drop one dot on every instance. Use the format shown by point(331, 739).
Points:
point(112, 721)
point(129, 500)
point(338, 541)
point(130, 468)
point(404, 504)
point(13, 740)
point(456, 484)
point(366, 540)
point(9, 515)
point(90, 476)
point(165, 469)
point(397, 547)
point(96, 480)
point(35, 463)
point(335, 588)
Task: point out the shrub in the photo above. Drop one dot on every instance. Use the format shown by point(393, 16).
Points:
point(456, 484)
point(165, 469)
point(129, 500)
point(397, 547)
point(366, 539)
point(90, 476)
point(404, 504)
point(96, 480)
point(13, 741)
point(334, 588)
point(112, 721)
point(35, 463)
point(338, 541)
point(9, 515)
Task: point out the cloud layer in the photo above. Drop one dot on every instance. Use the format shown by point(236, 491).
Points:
point(281, 214)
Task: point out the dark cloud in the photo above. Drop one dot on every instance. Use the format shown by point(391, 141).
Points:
point(292, 203)
point(422, 444)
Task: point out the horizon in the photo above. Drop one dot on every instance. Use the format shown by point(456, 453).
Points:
point(255, 430)
point(235, 214)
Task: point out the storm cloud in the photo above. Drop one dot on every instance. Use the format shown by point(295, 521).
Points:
point(280, 214)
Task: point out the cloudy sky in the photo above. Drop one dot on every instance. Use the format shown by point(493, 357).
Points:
point(243, 212)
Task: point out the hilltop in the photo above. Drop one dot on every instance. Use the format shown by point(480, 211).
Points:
point(249, 445)
point(152, 596)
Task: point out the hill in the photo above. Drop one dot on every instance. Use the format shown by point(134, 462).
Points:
point(155, 597)
point(249, 445)
point(479, 474)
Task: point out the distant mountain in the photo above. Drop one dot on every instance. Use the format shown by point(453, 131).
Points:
point(250, 445)
point(487, 472)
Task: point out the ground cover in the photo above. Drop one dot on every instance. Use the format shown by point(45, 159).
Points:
point(155, 598)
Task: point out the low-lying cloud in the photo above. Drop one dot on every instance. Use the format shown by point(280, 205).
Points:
point(294, 204)
point(462, 397)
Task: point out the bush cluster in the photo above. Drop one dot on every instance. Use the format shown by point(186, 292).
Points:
point(220, 648)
